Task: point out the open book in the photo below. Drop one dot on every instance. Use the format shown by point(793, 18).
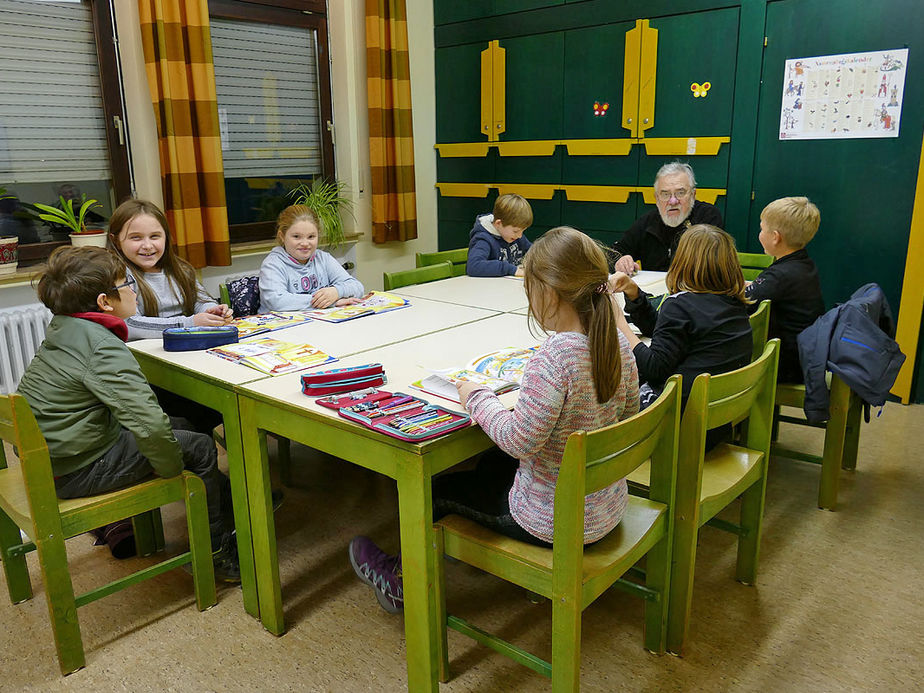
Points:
point(372, 303)
point(501, 371)
point(273, 356)
point(258, 324)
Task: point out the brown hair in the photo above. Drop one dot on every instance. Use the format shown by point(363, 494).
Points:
point(74, 278)
point(796, 219)
point(706, 262)
point(569, 264)
point(292, 215)
point(513, 210)
point(180, 272)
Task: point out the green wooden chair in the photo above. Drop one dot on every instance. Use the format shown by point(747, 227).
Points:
point(418, 275)
point(842, 435)
point(707, 483)
point(28, 503)
point(760, 328)
point(570, 574)
point(752, 264)
point(458, 257)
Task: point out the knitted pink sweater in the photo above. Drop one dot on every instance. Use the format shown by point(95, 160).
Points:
point(557, 397)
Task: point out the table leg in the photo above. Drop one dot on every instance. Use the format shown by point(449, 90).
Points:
point(419, 571)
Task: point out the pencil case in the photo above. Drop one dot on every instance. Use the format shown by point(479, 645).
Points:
point(398, 415)
point(343, 379)
point(196, 338)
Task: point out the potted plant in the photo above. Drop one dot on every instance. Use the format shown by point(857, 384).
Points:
point(328, 200)
point(65, 216)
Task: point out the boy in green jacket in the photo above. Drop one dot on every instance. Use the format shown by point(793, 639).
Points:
point(103, 425)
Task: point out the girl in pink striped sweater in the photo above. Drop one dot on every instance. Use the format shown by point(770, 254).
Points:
point(583, 377)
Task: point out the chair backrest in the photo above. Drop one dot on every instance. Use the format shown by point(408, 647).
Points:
point(596, 459)
point(242, 295)
point(760, 328)
point(457, 256)
point(752, 264)
point(418, 275)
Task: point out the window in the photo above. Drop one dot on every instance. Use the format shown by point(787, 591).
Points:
point(272, 79)
point(60, 117)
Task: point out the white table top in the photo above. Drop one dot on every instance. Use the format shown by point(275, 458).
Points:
point(209, 365)
point(501, 294)
point(412, 360)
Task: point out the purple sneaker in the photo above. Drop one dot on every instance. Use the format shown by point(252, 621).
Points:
point(380, 571)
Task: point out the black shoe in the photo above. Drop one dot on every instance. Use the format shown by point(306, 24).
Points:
point(225, 561)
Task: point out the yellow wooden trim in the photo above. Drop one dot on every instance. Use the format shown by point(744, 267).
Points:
point(614, 147)
point(527, 148)
point(487, 92)
point(647, 78)
point(598, 193)
point(683, 146)
point(702, 194)
point(912, 298)
point(463, 189)
point(500, 89)
point(631, 78)
point(529, 191)
point(476, 149)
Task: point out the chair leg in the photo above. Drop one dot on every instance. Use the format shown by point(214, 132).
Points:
point(681, 584)
point(14, 567)
point(657, 577)
point(752, 512)
point(775, 430)
point(852, 434)
point(62, 609)
point(149, 532)
point(566, 643)
point(200, 545)
point(439, 596)
point(835, 434)
point(284, 460)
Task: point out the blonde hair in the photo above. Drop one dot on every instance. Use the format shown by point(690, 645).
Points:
point(706, 262)
point(172, 265)
point(513, 210)
point(292, 215)
point(796, 219)
point(568, 264)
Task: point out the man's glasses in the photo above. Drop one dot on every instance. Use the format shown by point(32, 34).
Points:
point(130, 283)
point(665, 195)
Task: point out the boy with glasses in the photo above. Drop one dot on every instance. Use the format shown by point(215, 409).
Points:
point(651, 241)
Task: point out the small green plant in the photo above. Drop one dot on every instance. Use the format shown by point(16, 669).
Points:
point(328, 201)
point(65, 216)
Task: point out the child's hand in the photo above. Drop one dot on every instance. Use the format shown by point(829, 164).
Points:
point(208, 320)
point(465, 389)
point(622, 324)
point(519, 272)
point(620, 282)
point(627, 265)
point(324, 298)
point(222, 311)
point(348, 301)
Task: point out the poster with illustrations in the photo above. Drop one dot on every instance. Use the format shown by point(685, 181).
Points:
point(843, 96)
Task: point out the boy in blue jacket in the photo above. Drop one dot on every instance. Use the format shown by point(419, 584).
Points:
point(497, 244)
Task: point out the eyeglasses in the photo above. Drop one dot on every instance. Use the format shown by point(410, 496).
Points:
point(665, 195)
point(130, 283)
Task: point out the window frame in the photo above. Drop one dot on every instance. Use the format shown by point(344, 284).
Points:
point(311, 14)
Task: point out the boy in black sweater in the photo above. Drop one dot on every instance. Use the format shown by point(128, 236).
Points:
point(791, 282)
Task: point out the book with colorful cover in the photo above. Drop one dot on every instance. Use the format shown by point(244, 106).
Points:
point(372, 303)
point(501, 371)
point(273, 356)
point(251, 325)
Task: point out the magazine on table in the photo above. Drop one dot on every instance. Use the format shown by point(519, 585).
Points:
point(251, 325)
point(371, 304)
point(501, 371)
point(273, 356)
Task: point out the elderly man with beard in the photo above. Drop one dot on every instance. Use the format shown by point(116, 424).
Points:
point(652, 240)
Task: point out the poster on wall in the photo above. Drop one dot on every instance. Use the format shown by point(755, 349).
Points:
point(843, 96)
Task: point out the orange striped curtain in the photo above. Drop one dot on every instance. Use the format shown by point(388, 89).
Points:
point(181, 77)
point(391, 136)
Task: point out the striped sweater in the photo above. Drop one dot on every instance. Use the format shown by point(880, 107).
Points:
point(557, 397)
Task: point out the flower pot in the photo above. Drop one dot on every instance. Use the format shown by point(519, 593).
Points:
point(9, 254)
point(97, 239)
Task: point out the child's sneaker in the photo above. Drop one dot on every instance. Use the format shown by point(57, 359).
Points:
point(380, 571)
point(227, 568)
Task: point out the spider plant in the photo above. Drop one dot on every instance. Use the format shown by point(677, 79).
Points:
point(328, 201)
point(65, 215)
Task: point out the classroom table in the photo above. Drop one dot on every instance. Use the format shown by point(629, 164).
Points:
point(276, 405)
point(503, 294)
point(211, 381)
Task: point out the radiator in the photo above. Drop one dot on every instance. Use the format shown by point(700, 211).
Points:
point(21, 333)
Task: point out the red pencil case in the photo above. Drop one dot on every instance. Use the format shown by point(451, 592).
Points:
point(397, 415)
point(337, 380)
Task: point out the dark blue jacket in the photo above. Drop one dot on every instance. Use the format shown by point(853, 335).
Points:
point(490, 255)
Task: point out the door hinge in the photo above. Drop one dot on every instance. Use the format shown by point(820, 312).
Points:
point(765, 41)
point(752, 194)
point(333, 134)
point(117, 122)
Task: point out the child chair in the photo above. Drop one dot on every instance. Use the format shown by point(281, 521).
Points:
point(418, 275)
point(458, 257)
point(28, 503)
point(752, 264)
point(760, 328)
point(570, 574)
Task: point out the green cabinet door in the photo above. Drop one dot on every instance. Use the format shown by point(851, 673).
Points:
point(458, 93)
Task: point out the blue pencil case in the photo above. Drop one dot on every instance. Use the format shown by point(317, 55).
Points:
point(198, 338)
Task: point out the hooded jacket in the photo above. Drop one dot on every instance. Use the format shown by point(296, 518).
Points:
point(489, 255)
point(286, 284)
